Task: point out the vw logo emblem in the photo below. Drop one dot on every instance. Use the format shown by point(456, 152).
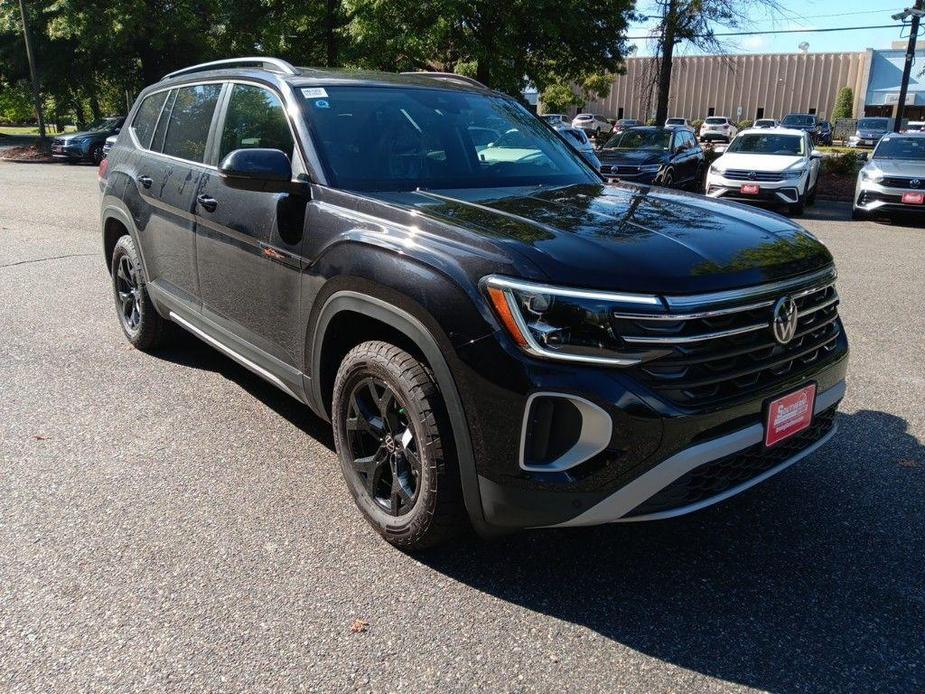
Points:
point(752, 175)
point(390, 444)
point(784, 317)
point(915, 183)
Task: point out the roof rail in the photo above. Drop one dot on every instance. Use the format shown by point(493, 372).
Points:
point(270, 64)
point(448, 77)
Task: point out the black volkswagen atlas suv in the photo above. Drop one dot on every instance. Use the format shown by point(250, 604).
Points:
point(499, 339)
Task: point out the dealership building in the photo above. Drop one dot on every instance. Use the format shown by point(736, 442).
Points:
point(769, 85)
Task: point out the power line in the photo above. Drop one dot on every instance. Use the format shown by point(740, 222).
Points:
point(778, 31)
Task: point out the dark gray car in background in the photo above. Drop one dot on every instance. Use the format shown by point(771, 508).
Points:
point(88, 144)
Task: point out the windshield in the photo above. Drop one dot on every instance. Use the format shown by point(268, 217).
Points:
point(787, 145)
point(640, 139)
point(873, 124)
point(105, 124)
point(675, 121)
point(715, 121)
point(799, 120)
point(763, 122)
point(389, 139)
point(893, 147)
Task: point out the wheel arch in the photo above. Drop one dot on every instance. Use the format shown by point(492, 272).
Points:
point(384, 320)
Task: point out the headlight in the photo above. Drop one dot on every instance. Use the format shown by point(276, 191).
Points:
point(718, 170)
point(566, 324)
point(792, 173)
point(868, 176)
point(650, 168)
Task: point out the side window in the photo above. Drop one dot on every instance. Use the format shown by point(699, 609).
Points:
point(189, 122)
point(255, 118)
point(146, 118)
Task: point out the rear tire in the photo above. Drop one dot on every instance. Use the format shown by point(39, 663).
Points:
point(143, 326)
point(395, 447)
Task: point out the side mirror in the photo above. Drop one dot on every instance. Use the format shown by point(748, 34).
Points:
point(261, 170)
point(815, 154)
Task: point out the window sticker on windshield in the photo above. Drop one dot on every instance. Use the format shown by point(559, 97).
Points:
point(314, 93)
point(322, 103)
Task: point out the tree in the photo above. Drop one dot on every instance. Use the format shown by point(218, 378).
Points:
point(505, 45)
point(844, 104)
point(694, 22)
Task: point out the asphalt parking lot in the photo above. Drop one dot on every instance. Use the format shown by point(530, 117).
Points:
point(175, 523)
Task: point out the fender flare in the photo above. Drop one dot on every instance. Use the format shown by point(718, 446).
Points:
point(111, 211)
point(417, 332)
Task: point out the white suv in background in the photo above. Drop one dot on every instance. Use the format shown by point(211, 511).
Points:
point(592, 123)
point(770, 165)
point(718, 128)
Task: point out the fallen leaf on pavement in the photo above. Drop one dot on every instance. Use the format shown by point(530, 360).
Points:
point(359, 626)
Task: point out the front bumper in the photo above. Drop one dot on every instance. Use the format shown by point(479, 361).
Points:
point(653, 442)
point(69, 151)
point(786, 192)
point(871, 197)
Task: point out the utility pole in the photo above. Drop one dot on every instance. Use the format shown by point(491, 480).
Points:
point(916, 13)
point(33, 72)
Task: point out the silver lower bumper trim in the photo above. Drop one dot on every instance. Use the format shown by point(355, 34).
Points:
point(614, 507)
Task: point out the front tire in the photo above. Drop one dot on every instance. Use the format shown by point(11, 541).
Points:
point(142, 324)
point(395, 446)
point(96, 154)
point(668, 178)
point(859, 215)
point(798, 207)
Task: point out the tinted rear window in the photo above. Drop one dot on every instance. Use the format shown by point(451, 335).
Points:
point(190, 119)
point(715, 121)
point(146, 118)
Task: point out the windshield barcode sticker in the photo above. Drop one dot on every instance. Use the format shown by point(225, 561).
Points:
point(314, 92)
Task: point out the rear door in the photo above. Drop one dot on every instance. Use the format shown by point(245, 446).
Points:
point(167, 174)
point(249, 242)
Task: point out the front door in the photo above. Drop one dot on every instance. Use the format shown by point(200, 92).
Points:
point(249, 242)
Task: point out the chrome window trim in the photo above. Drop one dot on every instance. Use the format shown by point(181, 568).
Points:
point(594, 436)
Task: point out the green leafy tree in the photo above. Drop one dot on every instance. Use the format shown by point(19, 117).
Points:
point(505, 45)
point(844, 104)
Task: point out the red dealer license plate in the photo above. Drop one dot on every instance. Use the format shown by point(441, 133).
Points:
point(749, 189)
point(913, 198)
point(789, 415)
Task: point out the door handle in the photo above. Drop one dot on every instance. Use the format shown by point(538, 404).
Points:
point(208, 203)
point(145, 181)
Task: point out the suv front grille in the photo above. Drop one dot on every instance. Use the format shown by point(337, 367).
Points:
point(748, 175)
point(721, 352)
point(721, 475)
point(900, 182)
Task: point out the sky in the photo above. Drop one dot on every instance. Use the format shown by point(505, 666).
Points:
point(806, 14)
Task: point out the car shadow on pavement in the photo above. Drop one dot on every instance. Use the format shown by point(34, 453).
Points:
point(812, 581)
point(192, 352)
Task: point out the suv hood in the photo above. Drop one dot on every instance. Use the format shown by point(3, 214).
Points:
point(636, 157)
point(628, 238)
point(759, 162)
point(896, 167)
point(87, 134)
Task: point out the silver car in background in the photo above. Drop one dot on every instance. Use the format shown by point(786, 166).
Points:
point(579, 140)
point(893, 180)
point(869, 132)
point(592, 123)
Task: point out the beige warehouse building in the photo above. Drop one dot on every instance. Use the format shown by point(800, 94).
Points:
point(762, 86)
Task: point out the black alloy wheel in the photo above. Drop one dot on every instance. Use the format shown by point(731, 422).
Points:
point(128, 294)
point(383, 450)
point(395, 446)
point(142, 324)
point(96, 154)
